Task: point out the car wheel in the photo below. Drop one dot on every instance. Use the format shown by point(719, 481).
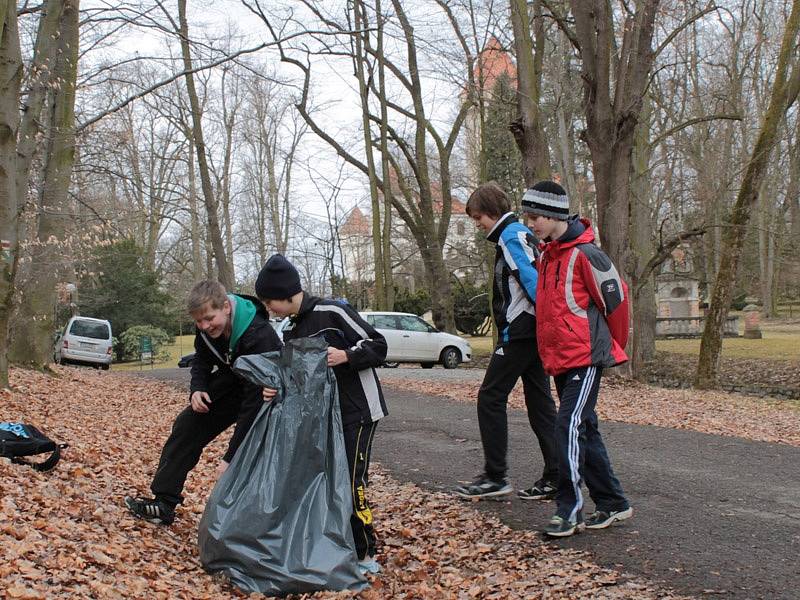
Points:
point(451, 358)
point(391, 365)
point(104, 367)
point(427, 365)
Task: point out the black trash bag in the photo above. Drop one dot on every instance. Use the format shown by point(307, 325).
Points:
point(278, 520)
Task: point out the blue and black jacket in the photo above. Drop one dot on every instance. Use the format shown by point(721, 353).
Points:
point(515, 277)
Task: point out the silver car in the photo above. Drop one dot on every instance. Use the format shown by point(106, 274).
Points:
point(85, 341)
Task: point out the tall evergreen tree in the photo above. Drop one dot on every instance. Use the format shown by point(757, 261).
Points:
point(503, 160)
point(125, 291)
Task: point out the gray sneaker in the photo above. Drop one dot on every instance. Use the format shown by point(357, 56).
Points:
point(561, 527)
point(541, 490)
point(601, 519)
point(483, 487)
point(151, 510)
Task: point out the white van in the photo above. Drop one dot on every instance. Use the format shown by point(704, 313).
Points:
point(85, 341)
point(411, 339)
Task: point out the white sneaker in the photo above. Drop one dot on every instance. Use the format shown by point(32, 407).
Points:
point(369, 566)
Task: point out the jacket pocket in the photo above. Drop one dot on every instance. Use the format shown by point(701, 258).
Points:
point(571, 329)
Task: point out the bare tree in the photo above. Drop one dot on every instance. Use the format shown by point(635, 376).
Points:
point(272, 134)
point(528, 129)
point(224, 265)
point(10, 80)
point(34, 326)
point(783, 96)
point(424, 206)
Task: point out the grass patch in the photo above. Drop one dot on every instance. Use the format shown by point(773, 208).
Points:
point(776, 346)
point(781, 341)
point(184, 344)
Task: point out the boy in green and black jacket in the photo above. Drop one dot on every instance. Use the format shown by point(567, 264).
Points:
point(228, 326)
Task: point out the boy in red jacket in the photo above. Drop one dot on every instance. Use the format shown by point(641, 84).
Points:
point(582, 314)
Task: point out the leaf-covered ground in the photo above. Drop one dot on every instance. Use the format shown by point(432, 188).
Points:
point(65, 534)
point(626, 401)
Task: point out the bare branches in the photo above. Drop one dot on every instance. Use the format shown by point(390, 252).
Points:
point(664, 251)
point(712, 7)
point(689, 123)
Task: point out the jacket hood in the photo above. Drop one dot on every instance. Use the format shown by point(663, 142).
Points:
point(579, 231)
point(243, 311)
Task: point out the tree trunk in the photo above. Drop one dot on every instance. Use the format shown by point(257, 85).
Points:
point(41, 74)
point(10, 79)
point(614, 84)
point(229, 121)
point(642, 286)
point(198, 269)
point(711, 343)
point(359, 58)
point(33, 343)
point(766, 248)
point(528, 129)
point(386, 190)
point(224, 267)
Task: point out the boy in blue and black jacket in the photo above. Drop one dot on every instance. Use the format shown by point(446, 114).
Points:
point(516, 354)
point(355, 350)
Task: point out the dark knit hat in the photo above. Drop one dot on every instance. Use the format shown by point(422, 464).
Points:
point(547, 199)
point(278, 279)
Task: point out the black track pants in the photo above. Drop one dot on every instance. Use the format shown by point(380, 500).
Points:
point(582, 453)
point(358, 444)
point(509, 362)
point(193, 431)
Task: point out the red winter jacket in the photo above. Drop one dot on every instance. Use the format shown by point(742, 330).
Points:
point(581, 304)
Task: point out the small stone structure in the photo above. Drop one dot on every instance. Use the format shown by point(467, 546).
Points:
point(678, 298)
point(752, 322)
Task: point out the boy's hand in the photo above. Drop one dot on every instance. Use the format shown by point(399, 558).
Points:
point(336, 357)
point(200, 402)
point(221, 468)
point(268, 394)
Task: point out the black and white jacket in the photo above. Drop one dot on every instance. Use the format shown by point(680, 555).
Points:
point(360, 394)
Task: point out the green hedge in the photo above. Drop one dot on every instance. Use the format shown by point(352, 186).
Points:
point(128, 346)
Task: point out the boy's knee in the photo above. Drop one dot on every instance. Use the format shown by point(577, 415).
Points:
point(186, 421)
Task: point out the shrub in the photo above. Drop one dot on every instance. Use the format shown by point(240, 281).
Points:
point(471, 307)
point(416, 303)
point(128, 346)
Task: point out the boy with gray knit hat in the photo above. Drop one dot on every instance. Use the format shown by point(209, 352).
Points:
point(582, 307)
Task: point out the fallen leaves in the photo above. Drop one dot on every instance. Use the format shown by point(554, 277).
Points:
point(65, 534)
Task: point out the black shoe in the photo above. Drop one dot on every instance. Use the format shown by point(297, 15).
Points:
point(561, 527)
point(483, 487)
point(541, 490)
point(151, 510)
point(601, 519)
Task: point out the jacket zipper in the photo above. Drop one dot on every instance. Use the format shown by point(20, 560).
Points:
point(558, 271)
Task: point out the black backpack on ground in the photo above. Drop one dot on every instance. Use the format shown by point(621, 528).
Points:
point(18, 439)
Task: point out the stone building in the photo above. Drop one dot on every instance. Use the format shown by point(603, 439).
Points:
point(461, 251)
point(677, 288)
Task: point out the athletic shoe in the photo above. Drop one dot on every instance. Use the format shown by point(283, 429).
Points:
point(541, 490)
point(601, 519)
point(561, 527)
point(483, 487)
point(369, 566)
point(151, 510)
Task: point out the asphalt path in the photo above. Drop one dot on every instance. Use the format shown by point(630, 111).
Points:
point(714, 516)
